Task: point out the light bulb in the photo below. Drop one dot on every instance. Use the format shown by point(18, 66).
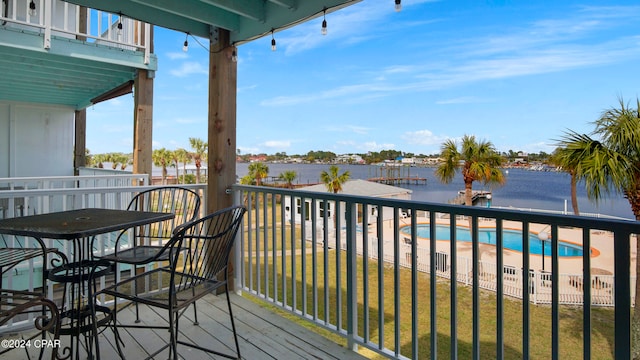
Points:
point(273, 42)
point(234, 56)
point(398, 5)
point(185, 46)
point(32, 8)
point(324, 22)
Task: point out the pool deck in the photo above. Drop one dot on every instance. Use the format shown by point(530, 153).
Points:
point(601, 242)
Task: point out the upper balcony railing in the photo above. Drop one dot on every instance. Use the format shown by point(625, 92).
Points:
point(364, 269)
point(62, 19)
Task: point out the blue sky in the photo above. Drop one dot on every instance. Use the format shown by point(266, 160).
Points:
point(516, 73)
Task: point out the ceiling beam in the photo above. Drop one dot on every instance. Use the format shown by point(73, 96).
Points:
point(195, 10)
point(126, 88)
point(289, 4)
point(252, 9)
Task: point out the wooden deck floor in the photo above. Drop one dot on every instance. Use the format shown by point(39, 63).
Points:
point(262, 335)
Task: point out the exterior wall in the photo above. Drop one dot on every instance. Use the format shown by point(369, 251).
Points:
point(36, 140)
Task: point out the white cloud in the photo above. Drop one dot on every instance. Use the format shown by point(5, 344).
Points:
point(177, 55)
point(249, 150)
point(374, 146)
point(436, 76)
point(189, 68)
point(423, 137)
point(277, 144)
point(346, 128)
point(348, 26)
point(462, 100)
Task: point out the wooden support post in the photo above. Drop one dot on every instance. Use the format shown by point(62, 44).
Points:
point(222, 121)
point(143, 120)
point(143, 124)
point(80, 143)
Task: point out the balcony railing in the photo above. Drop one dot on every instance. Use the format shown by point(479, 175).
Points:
point(62, 19)
point(361, 268)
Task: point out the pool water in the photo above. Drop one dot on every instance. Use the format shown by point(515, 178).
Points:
point(511, 239)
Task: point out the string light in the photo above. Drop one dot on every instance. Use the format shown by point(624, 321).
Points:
point(273, 42)
point(185, 46)
point(324, 22)
point(119, 26)
point(398, 5)
point(32, 8)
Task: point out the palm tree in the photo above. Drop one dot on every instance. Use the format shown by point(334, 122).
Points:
point(567, 159)
point(162, 157)
point(88, 158)
point(182, 156)
point(332, 180)
point(175, 162)
point(258, 171)
point(288, 176)
point(477, 160)
point(612, 164)
point(118, 158)
point(98, 159)
point(199, 154)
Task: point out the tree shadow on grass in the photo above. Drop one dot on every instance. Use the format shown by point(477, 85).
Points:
point(488, 349)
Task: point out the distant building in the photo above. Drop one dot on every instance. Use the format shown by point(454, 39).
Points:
point(258, 158)
point(350, 159)
point(351, 187)
point(432, 161)
point(408, 161)
point(299, 212)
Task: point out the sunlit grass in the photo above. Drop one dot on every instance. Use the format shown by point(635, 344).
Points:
point(571, 343)
point(323, 304)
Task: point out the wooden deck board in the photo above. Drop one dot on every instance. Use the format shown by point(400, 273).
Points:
point(262, 334)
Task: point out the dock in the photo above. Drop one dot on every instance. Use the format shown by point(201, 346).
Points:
point(478, 197)
point(408, 180)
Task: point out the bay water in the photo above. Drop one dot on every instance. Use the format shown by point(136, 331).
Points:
point(543, 190)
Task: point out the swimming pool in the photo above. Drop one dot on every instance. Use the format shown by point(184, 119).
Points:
point(511, 239)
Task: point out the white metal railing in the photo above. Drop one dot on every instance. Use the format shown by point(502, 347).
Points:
point(305, 252)
point(14, 203)
point(62, 19)
point(46, 200)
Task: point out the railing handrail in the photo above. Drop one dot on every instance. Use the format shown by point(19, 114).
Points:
point(311, 224)
point(70, 177)
point(473, 211)
point(86, 190)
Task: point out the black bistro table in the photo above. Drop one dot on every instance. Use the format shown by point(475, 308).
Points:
point(79, 227)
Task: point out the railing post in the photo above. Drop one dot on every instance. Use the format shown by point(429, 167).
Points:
point(352, 290)
point(47, 24)
point(237, 248)
point(535, 289)
point(622, 290)
point(147, 41)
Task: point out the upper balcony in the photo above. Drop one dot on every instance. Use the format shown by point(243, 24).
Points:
point(363, 270)
point(65, 54)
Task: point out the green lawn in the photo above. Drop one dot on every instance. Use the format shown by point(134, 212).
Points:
point(540, 316)
point(571, 346)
